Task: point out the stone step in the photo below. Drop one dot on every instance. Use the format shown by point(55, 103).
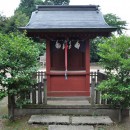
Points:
point(69, 103)
point(49, 119)
point(69, 127)
point(73, 120)
point(92, 120)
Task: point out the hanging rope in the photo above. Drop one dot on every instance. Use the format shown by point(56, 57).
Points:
point(66, 59)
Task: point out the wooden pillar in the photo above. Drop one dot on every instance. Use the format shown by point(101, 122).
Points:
point(45, 92)
point(93, 85)
point(48, 64)
point(87, 64)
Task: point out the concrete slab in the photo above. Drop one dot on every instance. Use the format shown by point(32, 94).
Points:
point(92, 120)
point(65, 102)
point(48, 119)
point(69, 127)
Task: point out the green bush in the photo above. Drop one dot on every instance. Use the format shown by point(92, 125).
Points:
point(115, 58)
point(18, 60)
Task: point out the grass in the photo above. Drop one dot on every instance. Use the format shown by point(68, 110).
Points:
point(114, 127)
point(124, 125)
point(21, 123)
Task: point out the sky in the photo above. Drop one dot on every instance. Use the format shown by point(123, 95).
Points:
point(119, 7)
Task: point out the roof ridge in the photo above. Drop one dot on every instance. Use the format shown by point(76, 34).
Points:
point(67, 7)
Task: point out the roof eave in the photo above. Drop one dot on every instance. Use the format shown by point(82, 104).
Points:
point(68, 29)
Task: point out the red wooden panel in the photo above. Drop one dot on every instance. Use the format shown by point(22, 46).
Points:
point(73, 83)
point(58, 60)
point(76, 59)
point(73, 86)
point(68, 94)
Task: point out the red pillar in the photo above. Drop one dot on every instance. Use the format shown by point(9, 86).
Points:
point(48, 64)
point(87, 62)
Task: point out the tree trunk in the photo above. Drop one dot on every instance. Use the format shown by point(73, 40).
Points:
point(120, 115)
point(11, 104)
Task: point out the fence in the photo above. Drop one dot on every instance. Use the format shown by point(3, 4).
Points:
point(38, 93)
point(95, 79)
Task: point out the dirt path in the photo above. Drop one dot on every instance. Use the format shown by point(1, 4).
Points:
point(1, 124)
point(3, 110)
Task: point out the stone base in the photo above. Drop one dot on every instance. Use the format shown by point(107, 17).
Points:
point(70, 120)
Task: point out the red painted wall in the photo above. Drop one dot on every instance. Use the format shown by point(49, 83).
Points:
point(78, 83)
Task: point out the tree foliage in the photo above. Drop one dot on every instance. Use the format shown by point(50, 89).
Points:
point(3, 22)
point(11, 24)
point(28, 6)
point(24, 11)
point(115, 21)
point(18, 60)
point(18, 20)
point(111, 20)
point(56, 2)
point(115, 58)
point(94, 57)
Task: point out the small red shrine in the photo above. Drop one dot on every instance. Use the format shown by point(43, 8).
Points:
point(67, 31)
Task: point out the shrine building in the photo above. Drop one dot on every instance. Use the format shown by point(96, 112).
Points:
point(67, 31)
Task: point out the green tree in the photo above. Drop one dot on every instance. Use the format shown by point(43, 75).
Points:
point(94, 57)
point(3, 21)
point(56, 2)
point(115, 59)
point(111, 20)
point(23, 13)
point(18, 20)
point(11, 24)
point(18, 60)
point(115, 21)
point(28, 6)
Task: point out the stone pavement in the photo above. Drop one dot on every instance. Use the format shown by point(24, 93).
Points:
point(48, 119)
point(92, 120)
point(69, 127)
point(60, 122)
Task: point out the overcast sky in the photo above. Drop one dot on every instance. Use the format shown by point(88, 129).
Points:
point(119, 7)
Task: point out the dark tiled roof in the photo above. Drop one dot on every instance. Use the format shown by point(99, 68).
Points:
point(61, 18)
